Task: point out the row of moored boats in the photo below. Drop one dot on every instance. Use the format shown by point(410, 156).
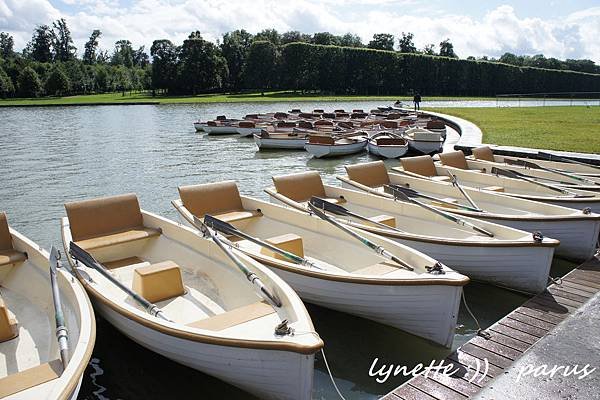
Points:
point(222, 293)
point(385, 132)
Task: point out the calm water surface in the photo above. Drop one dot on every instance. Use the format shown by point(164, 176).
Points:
point(52, 155)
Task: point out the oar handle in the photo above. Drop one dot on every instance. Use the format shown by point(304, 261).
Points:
point(62, 333)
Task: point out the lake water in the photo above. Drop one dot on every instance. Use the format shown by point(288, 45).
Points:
point(52, 155)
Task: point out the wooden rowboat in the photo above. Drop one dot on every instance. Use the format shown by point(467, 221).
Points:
point(281, 140)
point(485, 153)
point(424, 141)
point(385, 145)
point(513, 258)
point(343, 273)
point(217, 323)
point(327, 146)
point(30, 362)
point(576, 230)
point(424, 167)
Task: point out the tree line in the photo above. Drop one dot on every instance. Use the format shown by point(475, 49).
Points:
point(323, 62)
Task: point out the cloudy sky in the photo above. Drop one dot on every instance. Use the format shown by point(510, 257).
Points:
point(562, 29)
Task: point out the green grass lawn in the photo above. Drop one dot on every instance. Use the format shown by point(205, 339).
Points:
point(574, 128)
point(206, 98)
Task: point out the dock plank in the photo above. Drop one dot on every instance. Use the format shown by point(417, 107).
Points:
point(510, 337)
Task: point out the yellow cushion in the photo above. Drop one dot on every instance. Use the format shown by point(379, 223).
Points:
point(234, 317)
point(8, 323)
point(31, 377)
point(454, 159)
point(494, 188)
point(288, 242)
point(384, 219)
point(118, 238)
point(422, 165)
point(9, 257)
point(372, 174)
point(483, 153)
point(158, 282)
point(104, 216)
point(5, 236)
point(300, 187)
point(211, 198)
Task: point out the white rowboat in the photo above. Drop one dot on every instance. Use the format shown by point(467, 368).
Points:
point(347, 276)
point(576, 230)
point(384, 145)
point(327, 146)
point(218, 323)
point(511, 258)
point(424, 141)
point(30, 363)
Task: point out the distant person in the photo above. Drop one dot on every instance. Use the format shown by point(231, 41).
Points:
point(417, 101)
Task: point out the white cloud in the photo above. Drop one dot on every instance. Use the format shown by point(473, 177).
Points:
point(498, 31)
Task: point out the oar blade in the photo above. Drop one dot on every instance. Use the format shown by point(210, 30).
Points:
point(54, 257)
point(218, 225)
point(397, 192)
point(327, 206)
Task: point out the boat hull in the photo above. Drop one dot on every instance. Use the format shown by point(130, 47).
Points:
point(247, 132)
point(282, 144)
point(220, 130)
point(387, 151)
point(429, 311)
point(321, 150)
point(268, 374)
point(425, 146)
point(199, 126)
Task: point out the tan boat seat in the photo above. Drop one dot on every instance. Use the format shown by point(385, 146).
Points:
point(483, 153)
point(158, 282)
point(8, 255)
point(107, 221)
point(384, 219)
point(300, 187)
point(318, 139)
point(381, 268)
point(372, 174)
point(26, 379)
point(221, 200)
point(8, 324)
point(234, 317)
point(435, 124)
point(289, 242)
point(422, 165)
point(494, 188)
point(454, 159)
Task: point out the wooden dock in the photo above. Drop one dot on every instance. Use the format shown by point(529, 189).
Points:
point(509, 339)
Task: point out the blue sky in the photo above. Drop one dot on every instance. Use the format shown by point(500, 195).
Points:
point(562, 29)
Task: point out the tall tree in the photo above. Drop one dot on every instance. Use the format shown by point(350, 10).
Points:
point(235, 48)
point(202, 67)
point(350, 40)
point(325, 38)
point(447, 49)
point(6, 86)
point(270, 35)
point(29, 83)
point(123, 54)
point(382, 41)
point(140, 57)
point(294, 36)
point(406, 44)
point(91, 47)
point(64, 50)
point(261, 65)
point(429, 49)
point(164, 64)
point(40, 47)
point(57, 83)
point(7, 44)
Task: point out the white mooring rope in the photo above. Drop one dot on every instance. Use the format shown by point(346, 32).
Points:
point(331, 375)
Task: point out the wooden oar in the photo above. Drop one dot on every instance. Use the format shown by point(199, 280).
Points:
point(62, 333)
point(531, 165)
point(552, 157)
point(413, 193)
point(457, 185)
point(402, 196)
point(88, 260)
point(378, 249)
point(251, 276)
point(323, 204)
point(518, 175)
point(229, 229)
